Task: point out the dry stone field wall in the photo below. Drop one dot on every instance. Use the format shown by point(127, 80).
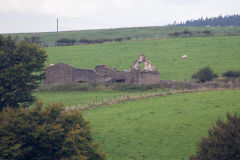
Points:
point(171, 84)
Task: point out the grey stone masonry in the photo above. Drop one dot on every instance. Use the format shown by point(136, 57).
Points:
point(64, 73)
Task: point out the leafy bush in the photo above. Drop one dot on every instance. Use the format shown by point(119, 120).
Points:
point(204, 74)
point(231, 74)
point(223, 141)
point(46, 133)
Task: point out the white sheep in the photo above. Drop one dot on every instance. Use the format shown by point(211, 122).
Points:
point(184, 56)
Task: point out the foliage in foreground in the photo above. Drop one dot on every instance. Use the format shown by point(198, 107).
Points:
point(21, 70)
point(46, 133)
point(204, 74)
point(223, 141)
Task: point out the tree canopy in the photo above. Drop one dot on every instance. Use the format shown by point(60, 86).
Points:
point(231, 20)
point(42, 133)
point(222, 142)
point(21, 71)
point(204, 74)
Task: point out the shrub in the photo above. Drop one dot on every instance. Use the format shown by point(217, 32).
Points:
point(223, 141)
point(231, 74)
point(204, 74)
point(46, 133)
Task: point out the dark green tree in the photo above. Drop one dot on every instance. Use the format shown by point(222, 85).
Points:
point(222, 142)
point(44, 133)
point(187, 33)
point(207, 32)
point(204, 74)
point(21, 71)
point(231, 74)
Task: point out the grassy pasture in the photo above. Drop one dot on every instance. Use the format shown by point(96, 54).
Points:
point(82, 98)
point(73, 98)
point(161, 128)
point(222, 53)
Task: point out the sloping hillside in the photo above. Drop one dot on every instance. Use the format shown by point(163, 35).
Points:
point(157, 32)
point(220, 53)
point(165, 128)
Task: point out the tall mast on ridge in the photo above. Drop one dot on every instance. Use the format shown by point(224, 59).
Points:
point(57, 29)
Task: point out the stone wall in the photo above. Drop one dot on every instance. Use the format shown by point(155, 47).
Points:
point(58, 73)
point(106, 74)
point(63, 73)
point(83, 75)
point(152, 77)
point(171, 84)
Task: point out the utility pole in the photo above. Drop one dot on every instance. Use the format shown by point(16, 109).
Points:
point(57, 29)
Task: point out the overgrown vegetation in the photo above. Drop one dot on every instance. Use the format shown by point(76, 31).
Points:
point(21, 71)
point(46, 133)
point(204, 74)
point(222, 142)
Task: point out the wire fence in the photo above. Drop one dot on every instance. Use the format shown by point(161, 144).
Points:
point(150, 94)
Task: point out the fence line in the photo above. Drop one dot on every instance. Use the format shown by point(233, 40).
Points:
point(144, 95)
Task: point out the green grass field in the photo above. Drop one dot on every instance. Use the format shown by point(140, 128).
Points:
point(82, 98)
point(162, 128)
point(165, 128)
point(135, 33)
point(73, 98)
point(221, 53)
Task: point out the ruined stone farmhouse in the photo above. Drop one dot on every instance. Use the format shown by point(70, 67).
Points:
point(64, 73)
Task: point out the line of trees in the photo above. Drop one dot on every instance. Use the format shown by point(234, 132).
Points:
point(66, 41)
point(206, 74)
point(229, 20)
point(187, 33)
